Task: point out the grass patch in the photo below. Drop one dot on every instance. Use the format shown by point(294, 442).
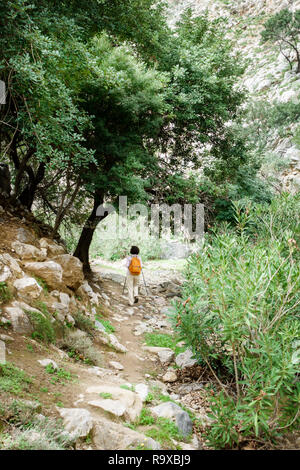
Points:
point(105, 395)
point(13, 380)
point(5, 294)
point(165, 431)
point(146, 419)
point(126, 387)
point(109, 328)
point(163, 340)
point(130, 426)
point(59, 375)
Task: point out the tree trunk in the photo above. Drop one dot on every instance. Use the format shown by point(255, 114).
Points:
point(27, 196)
point(85, 240)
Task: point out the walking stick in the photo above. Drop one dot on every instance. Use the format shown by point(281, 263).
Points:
point(145, 283)
point(124, 286)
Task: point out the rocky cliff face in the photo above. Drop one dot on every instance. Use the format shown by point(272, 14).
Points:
point(268, 77)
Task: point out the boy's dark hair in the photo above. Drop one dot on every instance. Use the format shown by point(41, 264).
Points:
point(134, 250)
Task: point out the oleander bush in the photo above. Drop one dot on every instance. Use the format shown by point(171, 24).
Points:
point(241, 319)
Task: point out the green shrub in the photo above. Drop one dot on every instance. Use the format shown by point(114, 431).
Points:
point(242, 321)
point(82, 322)
point(81, 347)
point(43, 327)
point(43, 434)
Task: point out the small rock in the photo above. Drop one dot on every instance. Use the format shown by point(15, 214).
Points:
point(116, 365)
point(6, 338)
point(5, 273)
point(47, 362)
point(105, 297)
point(112, 406)
point(185, 359)
point(170, 376)
point(173, 396)
point(173, 411)
point(113, 436)
point(115, 343)
point(130, 311)
point(2, 352)
point(142, 390)
point(166, 356)
point(99, 326)
point(77, 421)
point(26, 251)
point(52, 248)
point(13, 264)
point(188, 388)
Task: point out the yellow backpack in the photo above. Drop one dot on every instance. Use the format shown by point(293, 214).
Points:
point(135, 266)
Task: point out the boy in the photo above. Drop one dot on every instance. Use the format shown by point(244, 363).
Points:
point(134, 269)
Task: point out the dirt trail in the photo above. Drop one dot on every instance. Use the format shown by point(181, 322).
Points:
point(137, 365)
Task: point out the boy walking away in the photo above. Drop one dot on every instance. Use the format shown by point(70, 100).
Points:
point(134, 269)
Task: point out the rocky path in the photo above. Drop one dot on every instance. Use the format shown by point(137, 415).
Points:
point(115, 395)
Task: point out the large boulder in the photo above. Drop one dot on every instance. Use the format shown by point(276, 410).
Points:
point(16, 314)
point(26, 251)
point(173, 412)
point(5, 272)
point(123, 403)
point(77, 421)
point(72, 270)
point(108, 435)
point(9, 261)
point(28, 287)
point(86, 292)
point(53, 249)
point(50, 271)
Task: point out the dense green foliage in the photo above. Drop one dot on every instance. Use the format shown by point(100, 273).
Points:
point(242, 320)
point(112, 106)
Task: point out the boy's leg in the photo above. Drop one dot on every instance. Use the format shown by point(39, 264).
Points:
point(129, 282)
point(136, 286)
